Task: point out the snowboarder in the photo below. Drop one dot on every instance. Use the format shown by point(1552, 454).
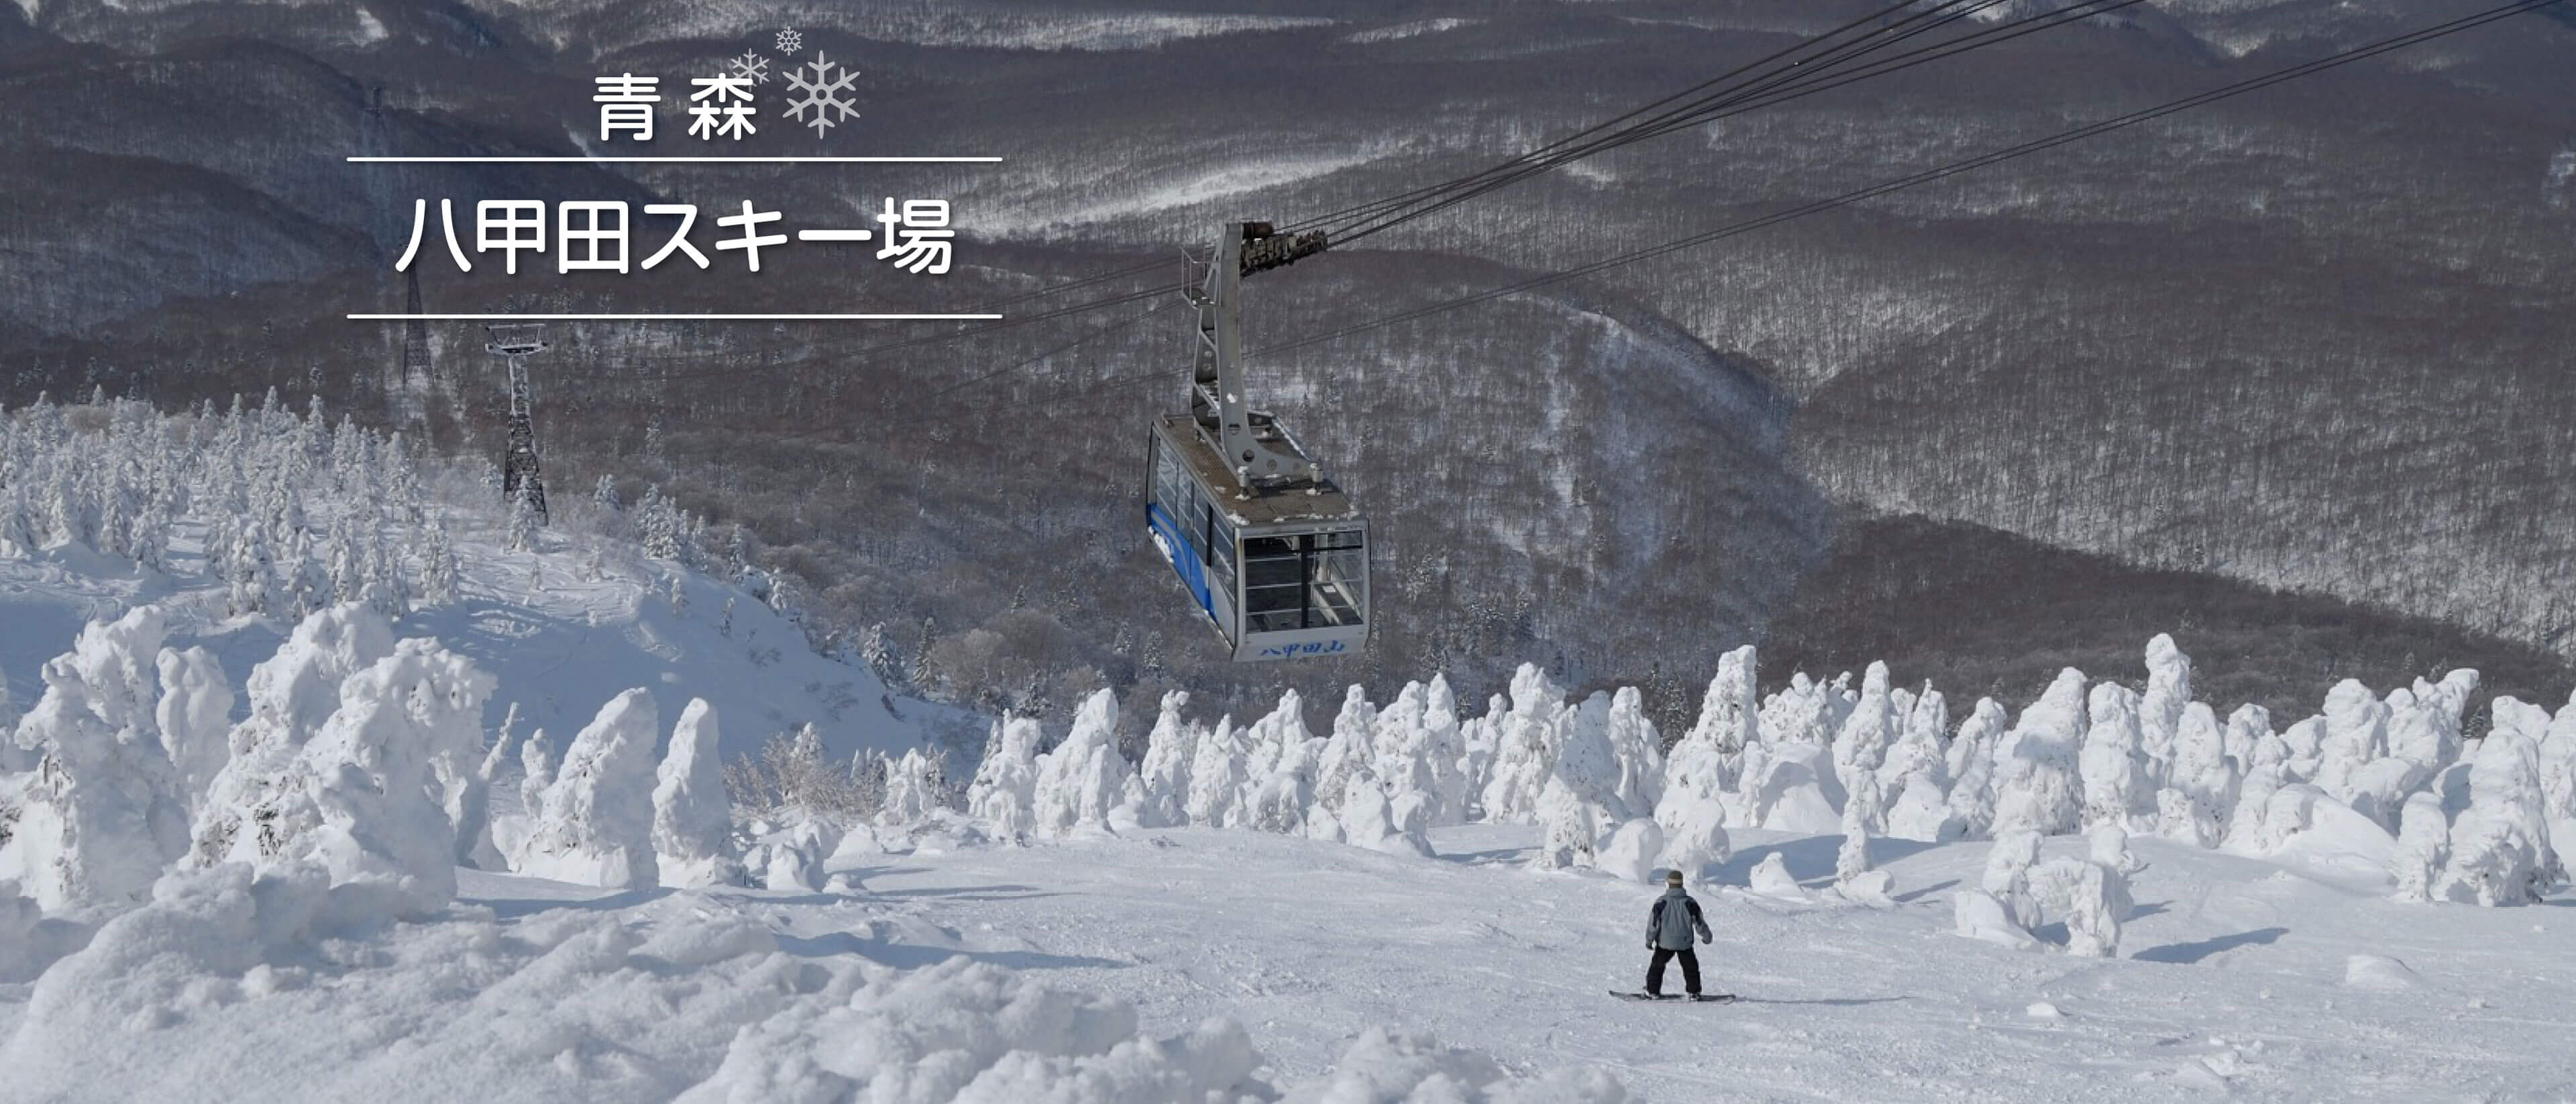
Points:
point(1669, 928)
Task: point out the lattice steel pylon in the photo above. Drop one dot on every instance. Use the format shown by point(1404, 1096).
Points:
point(521, 480)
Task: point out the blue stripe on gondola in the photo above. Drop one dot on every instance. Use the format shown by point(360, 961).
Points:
point(1184, 556)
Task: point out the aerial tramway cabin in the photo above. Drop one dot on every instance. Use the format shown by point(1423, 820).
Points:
point(1274, 553)
point(1282, 574)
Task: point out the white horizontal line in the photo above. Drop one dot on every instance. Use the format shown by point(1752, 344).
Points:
point(671, 317)
point(832, 235)
point(721, 160)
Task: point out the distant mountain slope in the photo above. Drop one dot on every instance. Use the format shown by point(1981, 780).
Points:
point(2304, 339)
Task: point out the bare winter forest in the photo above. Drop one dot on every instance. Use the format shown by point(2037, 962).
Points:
point(2291, 373)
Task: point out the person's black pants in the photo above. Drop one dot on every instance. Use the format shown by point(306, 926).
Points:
point(1690, 970)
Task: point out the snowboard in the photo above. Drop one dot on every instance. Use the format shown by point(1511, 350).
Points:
point(1704, 998)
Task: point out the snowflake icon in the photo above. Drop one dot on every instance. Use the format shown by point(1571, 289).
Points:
point(751, 67)
point(789, 41)
point(824, 94)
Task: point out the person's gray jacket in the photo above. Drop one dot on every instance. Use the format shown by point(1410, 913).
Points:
point(1674, 918)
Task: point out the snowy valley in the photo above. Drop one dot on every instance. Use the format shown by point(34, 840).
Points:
point(324, 781)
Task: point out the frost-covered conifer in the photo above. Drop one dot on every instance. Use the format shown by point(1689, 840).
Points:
point(17, 522)
point(1166, 772)
point(1280, 784)
point(2161, 708)
point(2114, 769)
point(2356, 732)
point(1640, 753)
point(105, 809)
point(438, 568)
point(1525, 740)
point(1570, 824)
point(1350, 750)
point(2500, 851)
point(1402, 755)
point(2423, 846)
point(595, 826)
point(911, 788)
point(1445, 752)
point(1217, 777)
point(1084, 777)
point(362, 802)
point(1707, 764)
point(1862, 743)
point(2558, 778)
point(692, 815)
point(1003, 793)
point(1379, 821)
point(1574, 807)
point(1922, 810)
point(2250, 725)
point(536, 771)
point(1851, 860)
point(1918, 747)
point(1972, 767)
point(195, 718)
point(2201, 793)
point(2038, 784)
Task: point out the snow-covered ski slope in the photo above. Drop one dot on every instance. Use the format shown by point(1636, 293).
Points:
point(2239, 978)
point(2237, 975)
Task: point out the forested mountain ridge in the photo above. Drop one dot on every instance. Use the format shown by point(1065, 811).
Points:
point(2312, 338)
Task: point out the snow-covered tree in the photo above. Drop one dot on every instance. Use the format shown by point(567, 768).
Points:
point(1218, 777)
point(195, 718)
point(595, 826)
point(1444, 751)
point(1730, 713)
point(1918, 747)
point(911, 786)
point(2250, 725)
point(1971, 760)
point(1166, 771)
point(1084, 778)
point(1851, 860)
point(2038, 784)
point(1003, 793)
point(1372, 819)
point(2423, 847)
point(2356, 732)
point(1280, 777)
point(1922, 809)
point(692, 816)
point(1349, 751)
point(1707, 763)
point(2200, 796)
point(1525, 742)
point(2161, 708)
point(105, 810)
point(1862, 743)
point(2500, 850)
point(2113, 766)
point(1577, 805)
point(1639, 750)
point(2558, 778)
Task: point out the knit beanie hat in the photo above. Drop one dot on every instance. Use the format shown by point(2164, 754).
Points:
point(1673, 878)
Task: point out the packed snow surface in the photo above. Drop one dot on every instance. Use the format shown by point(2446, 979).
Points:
point(2236, 976)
